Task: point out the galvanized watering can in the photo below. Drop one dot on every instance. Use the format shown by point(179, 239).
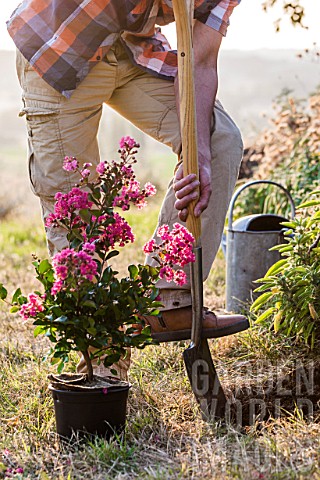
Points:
point(248, 242)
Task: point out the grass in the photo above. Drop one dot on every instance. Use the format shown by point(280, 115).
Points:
point(166, 438)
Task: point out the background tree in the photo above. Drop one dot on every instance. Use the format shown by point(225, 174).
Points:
point(294, 9)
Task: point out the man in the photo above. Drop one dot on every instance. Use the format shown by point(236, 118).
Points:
point(73, 56)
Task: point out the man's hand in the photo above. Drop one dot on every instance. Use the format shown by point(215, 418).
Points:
point(187, 190)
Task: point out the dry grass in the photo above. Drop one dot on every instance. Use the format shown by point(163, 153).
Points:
point(166, 438)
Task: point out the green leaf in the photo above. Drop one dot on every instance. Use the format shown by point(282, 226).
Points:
point(265, 315)
point(14, 309)
point(295, 270)
point(76, 242)
point(289, 224)
point(93, 213)
point(309, 330)
point(92, 331)
point(111, 254)
point(276, 267)
point(286, 248)
point(277, 321)
point(313, 339)
point(16, 295)
point(96, 193)
point(146, 330)
point(89, 303)
point(310, 203)
point(44, 266)
point(39, 330)
point(264, 287)
point(56, 311)
point(154, 294)
point(54, 360)
point(60, 367)
point(81, 344)
point(22, 300)
point(107, 275)
point(85, 214)
point(134, 271)
point(157, 304)
point(113, 358)
point(261, 301)
point(3, 292)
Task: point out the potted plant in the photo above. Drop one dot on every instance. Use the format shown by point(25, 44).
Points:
point(83, 305)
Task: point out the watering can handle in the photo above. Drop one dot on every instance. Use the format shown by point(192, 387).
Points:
point(255, 182)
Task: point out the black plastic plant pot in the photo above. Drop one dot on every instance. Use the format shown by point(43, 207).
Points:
point(90, 412)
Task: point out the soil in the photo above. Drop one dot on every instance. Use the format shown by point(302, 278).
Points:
point(297, 390)
point(80, 382)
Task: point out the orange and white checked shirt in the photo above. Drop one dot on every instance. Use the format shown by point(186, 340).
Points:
point(64, 39)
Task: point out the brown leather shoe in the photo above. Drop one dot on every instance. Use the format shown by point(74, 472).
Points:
point(173, 325)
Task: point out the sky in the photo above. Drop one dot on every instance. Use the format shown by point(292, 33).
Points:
point(250, 28)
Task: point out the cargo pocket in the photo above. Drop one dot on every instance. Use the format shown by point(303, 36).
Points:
point(45, 152)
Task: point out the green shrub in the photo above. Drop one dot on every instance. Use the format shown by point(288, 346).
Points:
point(290, 299)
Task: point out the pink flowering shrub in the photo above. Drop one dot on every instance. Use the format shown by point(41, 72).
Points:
point(84, 303)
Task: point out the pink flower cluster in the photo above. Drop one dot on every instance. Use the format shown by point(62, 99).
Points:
point(128, 143)
point(88, 248)
point(67, 203)
point(178, 244)
point(34, 306)
point(118, 232)
point(72, 264)
point(127, 171)
point(85, 173)
point(131, 193)
point(101, 168)
point(70, 164)
point(171, 275)
point(175, 249)
point(149, 189)
point(12, 472)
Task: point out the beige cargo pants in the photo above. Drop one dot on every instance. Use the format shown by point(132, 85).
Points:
point(58, 127)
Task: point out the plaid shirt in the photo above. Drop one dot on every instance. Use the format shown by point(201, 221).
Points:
point(64, 39)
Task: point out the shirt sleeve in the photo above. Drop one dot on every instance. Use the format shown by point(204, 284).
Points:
point(218, 16)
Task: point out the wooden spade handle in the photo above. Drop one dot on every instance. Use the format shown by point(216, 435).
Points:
point(183, 13)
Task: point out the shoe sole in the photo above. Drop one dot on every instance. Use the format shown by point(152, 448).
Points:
point(176, 336)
